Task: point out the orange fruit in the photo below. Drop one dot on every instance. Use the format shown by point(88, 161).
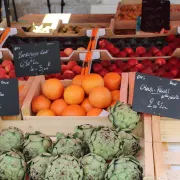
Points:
point(100, 97)
point(74, 110)
point(45, 112)
point(74, 94)
point(112, 81)
point(94, 112)
point(115, 95)
point(91, 81)
point(39, 103)
point(58, 106)
point(86, 105)
point(53, 89)
point(77, 80)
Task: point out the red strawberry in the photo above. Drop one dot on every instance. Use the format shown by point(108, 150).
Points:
point(173, 60)
point(128, 50)
point(122, 54)
point(169, 75)
point(139, 66)
point(147, 54)
point(64, 68)
point(103, 72)
point(102, 43)
point(118, 63)
point(170, 38)
point(63, 54)
point(68, 74)
point(12, 74)
point(20, 78)
point(112, 67)
point(115, 51)
point(71, 64)
point(105, 63)
point(154, 67)
point(140, 50)
point(118, 70)
point(160, 61)
point(154, 50)
point(161, 72)
point(134, 69)
point(77, 69)
point(147, 71)
point(166, 50)
point(172, 45)
point(146, 62)
point(134, 54)
point(174, 71)
point(167, 67)
point(97, 67)
point(132, 62)
point(2, 73)
point(109, 47)
point(159, 53)
point(6, 62)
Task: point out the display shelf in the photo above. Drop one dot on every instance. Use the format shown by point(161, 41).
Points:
point(166, 147)
point(22, 95)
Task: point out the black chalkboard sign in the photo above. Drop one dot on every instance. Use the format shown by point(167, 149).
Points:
point(37, 59)
point(9, 97)
point(157, 96)
point(155, 15)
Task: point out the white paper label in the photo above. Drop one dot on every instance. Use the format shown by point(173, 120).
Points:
point(178, 30)
point(104, 114)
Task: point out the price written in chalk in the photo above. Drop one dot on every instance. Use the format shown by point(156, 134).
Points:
point(8, 94)
point(155, 95)
point(37, 59)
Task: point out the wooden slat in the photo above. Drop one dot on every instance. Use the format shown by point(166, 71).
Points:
point(147, 128)
point(156, 129)
point(131, 87)
point(124, 88)
point(172, 158)
point(160, 167)
point(173, 175)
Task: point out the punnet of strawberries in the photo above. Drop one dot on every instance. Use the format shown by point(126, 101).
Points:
point(168, 68)
point(140, 47)
point(7, 70)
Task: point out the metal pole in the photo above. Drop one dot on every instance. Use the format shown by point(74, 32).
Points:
point(49, 5)
point(62, 5)
point(15, 12)
point(7, 13)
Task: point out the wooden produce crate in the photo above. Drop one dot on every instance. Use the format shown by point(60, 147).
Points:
point(35, 90)
point(51, 125)
point(166, 147)
point(174, 10)
point(22, 95)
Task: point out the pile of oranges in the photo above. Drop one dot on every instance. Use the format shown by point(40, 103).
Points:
point(88, 95)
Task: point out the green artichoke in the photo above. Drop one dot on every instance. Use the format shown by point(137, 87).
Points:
point(37, 166)
point(106, 143)
point(124, 168)
point(123, 117)
point(94, 167)
point(36, 143)
point(131, 144)
point(69, 145)
point(64, 167)
point(12, 166)
point(11, 138)
point(84, 132)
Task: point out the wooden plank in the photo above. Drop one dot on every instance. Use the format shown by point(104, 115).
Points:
point(131, 87)
point(156, 129)
point(173, 174)
point(172, 158)
point(147, 128)
point(160, 167)
point(124, 88)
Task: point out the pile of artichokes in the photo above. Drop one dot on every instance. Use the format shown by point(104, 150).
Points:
point(91, 153)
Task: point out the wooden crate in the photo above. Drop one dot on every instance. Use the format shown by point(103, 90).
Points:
point(166, 146)
point(51, 125)
point(22, 95)
point(36, 90)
